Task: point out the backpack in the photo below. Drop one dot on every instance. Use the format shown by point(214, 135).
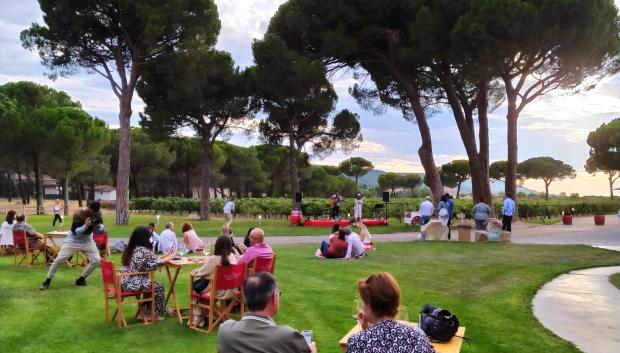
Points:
point(439, 325)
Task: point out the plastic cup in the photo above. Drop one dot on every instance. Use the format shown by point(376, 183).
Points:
point(307, 335)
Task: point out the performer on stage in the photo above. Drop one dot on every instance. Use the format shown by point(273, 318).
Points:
point(335, 205)
point(357, 209)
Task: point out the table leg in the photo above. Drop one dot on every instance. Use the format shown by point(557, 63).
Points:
point(172, 281)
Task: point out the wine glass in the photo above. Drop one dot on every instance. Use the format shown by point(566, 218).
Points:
point(182, 250)
point(403, 314)
point(358, 305)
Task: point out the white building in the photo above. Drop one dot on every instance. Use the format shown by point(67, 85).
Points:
point(105, 193)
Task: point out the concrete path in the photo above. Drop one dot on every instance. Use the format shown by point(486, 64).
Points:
point(583, 308)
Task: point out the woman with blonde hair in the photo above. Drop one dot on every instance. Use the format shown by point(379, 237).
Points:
point(380, 330)
point(365, 237)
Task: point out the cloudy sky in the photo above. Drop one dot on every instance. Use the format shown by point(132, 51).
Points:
point(556, 125)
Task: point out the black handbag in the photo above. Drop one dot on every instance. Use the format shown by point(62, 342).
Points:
point(438, 324)
point(200, 284)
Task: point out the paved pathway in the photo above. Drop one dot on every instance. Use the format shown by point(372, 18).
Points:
point(584, 308)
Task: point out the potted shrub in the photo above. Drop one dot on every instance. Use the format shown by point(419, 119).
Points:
point(567, 218)
point(599, 219)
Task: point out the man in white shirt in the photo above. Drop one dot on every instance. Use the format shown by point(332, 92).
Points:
point(426, 210)
point(508, 210)
point(229, 208)
point(356, 248)
point(154, 236)
point(167, 238)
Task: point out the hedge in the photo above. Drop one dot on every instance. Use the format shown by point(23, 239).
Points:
point(281, 207)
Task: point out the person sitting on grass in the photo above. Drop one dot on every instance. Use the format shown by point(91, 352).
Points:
point(35, 239)
point(167, 238)
point(336, 248)
point(380, 331)
point(191, 240)
point(222, 255)
point(334, 232)
point(355, 247)
point(365, 237)
point(258, 248)
point(139, 257)
point(256, 331)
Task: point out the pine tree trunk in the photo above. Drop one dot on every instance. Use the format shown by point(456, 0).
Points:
point(38, 183)
point(78, 189)
point(547, 190)
point(205, 180)
point(124, 159)
point(10, 185)
point(20, 183)
point(293, 164)
point(65, 193)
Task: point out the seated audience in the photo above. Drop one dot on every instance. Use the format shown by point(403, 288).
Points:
point(336, 248)
point(258, 248)
point(380, 332)
point(334, 232)
point(139, 257)
point(222, 255)
point(355, 247)
point(191, 240)
point(154, 236)
point(34, 238)
point(365, 237)
point(238, 249)
point(6, 230)
point(256, 331)
point(167, 238)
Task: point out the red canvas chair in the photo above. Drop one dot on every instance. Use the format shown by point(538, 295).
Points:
point(112, 291)
point(22, 250)
point(224, 277)
point(101, 240)
point(263, 265)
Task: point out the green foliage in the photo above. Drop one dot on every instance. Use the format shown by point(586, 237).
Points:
point(547, 169)
point(454, 173)
point(497, 170)
point(356, 167)
point(604, 157)
point(320, 298)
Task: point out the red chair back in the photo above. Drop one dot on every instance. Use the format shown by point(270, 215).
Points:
point(108, 273)
point(101, 239)
point(229, 277)
point(264, 265)
point(19, 238)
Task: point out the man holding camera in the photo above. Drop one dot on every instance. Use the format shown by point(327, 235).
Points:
point(79, 239)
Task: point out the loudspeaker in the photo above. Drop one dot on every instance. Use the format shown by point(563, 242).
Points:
point(386, 196)
point(298, 197)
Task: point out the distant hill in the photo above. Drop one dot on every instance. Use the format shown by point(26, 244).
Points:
point(371, 180)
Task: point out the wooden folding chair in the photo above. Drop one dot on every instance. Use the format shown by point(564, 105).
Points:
point(21, 249)
point(262, 265)
point(224, 277)
point(112, 291)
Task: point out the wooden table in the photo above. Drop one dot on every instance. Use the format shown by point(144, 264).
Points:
point(453, 346)
point(172, 278)
point(55, 235)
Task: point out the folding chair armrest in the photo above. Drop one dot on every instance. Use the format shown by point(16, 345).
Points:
point(123, 274)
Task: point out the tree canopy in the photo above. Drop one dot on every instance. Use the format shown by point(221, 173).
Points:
point(547, 169)
point(604, 157)
point(454, 173)
point(356, 167)
point(118, 39)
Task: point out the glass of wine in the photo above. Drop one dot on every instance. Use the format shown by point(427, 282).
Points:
point(403, 314)
point(206, 247)
point(182, 250)
point(358, 305)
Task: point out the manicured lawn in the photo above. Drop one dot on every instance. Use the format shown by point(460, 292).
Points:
point(43, 223)
point(615, 280)
point(489, 287)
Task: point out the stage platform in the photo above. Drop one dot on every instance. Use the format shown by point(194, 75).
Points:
point(343, 222)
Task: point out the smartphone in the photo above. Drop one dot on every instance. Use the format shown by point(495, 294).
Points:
point(307, 335)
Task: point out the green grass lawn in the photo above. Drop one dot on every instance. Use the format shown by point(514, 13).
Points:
point(489, 286)
point(615, 280)
point(43, 223)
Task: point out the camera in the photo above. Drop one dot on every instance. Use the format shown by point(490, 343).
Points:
point(95, 221)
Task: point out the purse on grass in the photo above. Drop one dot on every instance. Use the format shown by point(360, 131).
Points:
point(200, 284)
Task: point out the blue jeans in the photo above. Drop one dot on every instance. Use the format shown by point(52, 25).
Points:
point(479, 224)
point(324, 247)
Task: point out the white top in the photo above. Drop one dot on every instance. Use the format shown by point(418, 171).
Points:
point(229, 207)
point(426, 208)
point(6, 233)
point(167, 238)
point(56, 209)
point(356, 248)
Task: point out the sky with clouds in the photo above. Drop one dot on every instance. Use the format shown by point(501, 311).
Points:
point(556, 125)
